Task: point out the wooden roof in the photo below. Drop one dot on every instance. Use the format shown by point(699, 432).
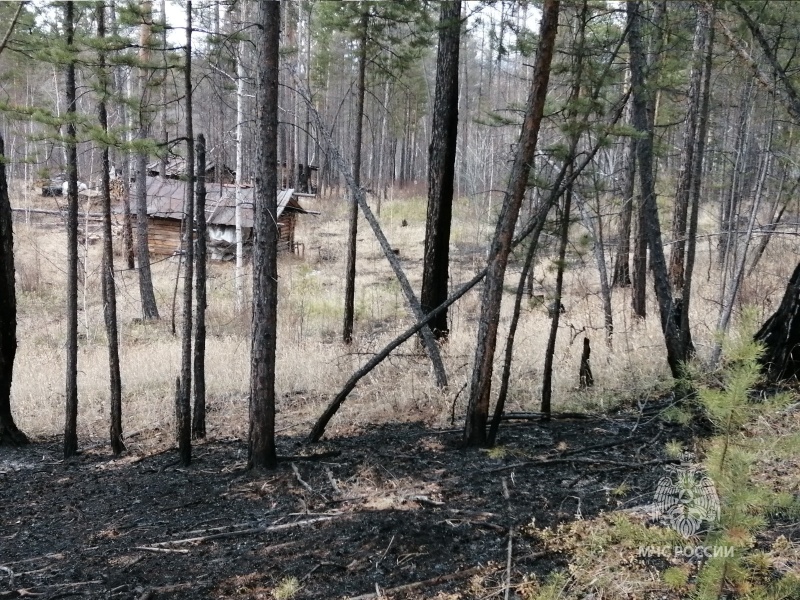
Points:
point(165, 198)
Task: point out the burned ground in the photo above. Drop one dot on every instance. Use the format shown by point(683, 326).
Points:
point(387, 506)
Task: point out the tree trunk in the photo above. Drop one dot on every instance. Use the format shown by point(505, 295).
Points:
point(441, 167)
point(780, 336)
point(639, 281)
point(123, 93)
point(109, 285)
point(683, 192)
point(622, 264)
point(9, 434)
point(183, 411)
point(240, 76)
point(478, 408)
point(547, 370)
point(352, 234)
point(265, 246)
point(71, 422)
point(199, 414)
point(148, 298)
point(697, 175)
point(652, 228)
point(585, 377)
point(163, 90)
point(358, 193)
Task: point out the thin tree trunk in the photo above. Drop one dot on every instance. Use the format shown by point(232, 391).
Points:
point(773, 224)
point(71, 423)
point(199, 414)
point(577, 71)
point(682, 195)
point(148, 298)
point(596, 233)
point(352, 234)
point(478, 408)
point(441, 168)
point(240, 75)
point(697, 175)
point(729, 295)
point(124, 91)
point(163, 90)
point(265, 246)
point(359, 197)
point(540, 219)
point(9, 433)
point(109, 285)
point(549, 353)
point(183, 411)
point(675, 354)
point(622, 264)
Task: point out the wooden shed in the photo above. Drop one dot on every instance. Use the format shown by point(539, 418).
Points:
point(165, 199)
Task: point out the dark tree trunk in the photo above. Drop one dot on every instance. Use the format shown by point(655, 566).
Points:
point(71, 422)
point(585, 377)
point(699, 154)
point(478, 408)
point(650, 221)
point(183, 411)
point(148, 297)
point(352, 234)
point(199, 415)
point(639, 281)
point(109, 289)
point(441, 167)
point(547, 372)
point(622, 265)
point(683, 192)
point(265, 246)
point(780, 336)
point(9, 434)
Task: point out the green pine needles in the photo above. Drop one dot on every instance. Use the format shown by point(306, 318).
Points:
point(747, 500)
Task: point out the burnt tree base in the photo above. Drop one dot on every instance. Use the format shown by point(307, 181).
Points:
point(585, 377)
point(10, 435)
point(780, 336)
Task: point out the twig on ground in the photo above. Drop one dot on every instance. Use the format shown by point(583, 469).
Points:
point(428, 583)
point(300, 479)
point(165, 589)
point(508, 562)
point(166, 550)
point(31, 591)
point(332, 479)
point(575, 459)
point(242, 532)
point(385, 552)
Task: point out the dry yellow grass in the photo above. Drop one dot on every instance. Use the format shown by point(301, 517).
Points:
point(312, 363)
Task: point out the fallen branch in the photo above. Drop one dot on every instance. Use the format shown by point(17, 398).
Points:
point(322, 422)
point(31, 591)
point(242, 532)
point(590, 461)
point(428, 583)
point(357, 192)
point(166, 589)
point(508, 563)
point(165, 550)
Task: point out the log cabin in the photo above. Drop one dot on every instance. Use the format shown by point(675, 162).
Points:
point(165, 198)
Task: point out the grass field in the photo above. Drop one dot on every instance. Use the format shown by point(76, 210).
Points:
point(312, 362)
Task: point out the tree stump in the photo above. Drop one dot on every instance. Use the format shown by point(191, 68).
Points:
point(585, 373)
point(780, 336)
